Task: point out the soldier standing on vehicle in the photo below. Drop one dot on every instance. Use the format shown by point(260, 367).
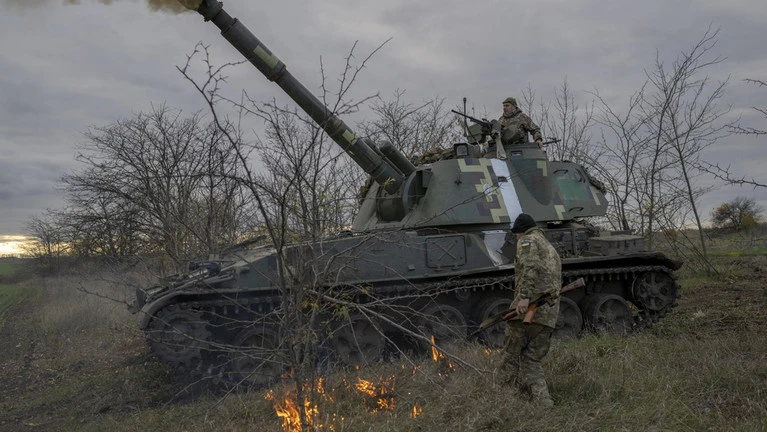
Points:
point(538, 270)
point(515, 125)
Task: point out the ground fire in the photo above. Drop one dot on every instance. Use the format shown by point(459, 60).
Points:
point(378, 397)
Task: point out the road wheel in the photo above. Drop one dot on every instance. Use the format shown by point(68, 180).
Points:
point(357, 341)
point(178, 337)
point(607, 313)
point(443, 322)
point(654, 291)
point(256, 356)
point(569, 321)
point(495, 335)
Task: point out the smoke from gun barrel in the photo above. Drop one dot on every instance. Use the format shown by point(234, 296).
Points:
point(173, 6)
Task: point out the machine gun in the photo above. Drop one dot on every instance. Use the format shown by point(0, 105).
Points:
point(551, 141)
point(511, 313)
point(487, 126)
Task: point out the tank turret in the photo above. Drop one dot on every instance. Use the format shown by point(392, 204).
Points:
point(431, 244)
point(465, 191)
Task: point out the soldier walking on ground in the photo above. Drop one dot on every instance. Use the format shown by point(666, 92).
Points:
point(515, 125)
point(538, 270)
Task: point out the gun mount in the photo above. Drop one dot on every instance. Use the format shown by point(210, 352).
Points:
point(430, 249)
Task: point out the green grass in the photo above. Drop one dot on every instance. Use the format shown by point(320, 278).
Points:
point(739, 252)
point(8, 269)
point(12, 295)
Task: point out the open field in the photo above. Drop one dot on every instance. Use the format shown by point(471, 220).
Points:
point(7, 268)
point(73, 359)
point(12, 295)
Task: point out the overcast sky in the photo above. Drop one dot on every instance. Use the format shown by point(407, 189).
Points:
point(67, 67)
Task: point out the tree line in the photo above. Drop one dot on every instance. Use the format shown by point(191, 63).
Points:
point(179, 186)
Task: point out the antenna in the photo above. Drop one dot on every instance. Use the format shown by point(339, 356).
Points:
point(465, 126)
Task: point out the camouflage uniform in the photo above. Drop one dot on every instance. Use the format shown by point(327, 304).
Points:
point(538, 270)
point(516, 125)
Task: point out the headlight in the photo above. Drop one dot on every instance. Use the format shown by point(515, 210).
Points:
point(461, 150)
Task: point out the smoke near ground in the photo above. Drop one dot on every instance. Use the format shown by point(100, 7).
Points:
point(173, 6)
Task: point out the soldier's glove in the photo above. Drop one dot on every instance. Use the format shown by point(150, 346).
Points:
point(495, 126)
point(522, 306)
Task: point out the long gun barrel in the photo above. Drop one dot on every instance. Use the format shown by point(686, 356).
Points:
point(262, 58)
point(485, 123)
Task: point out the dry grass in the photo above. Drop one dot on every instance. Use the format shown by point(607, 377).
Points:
point(702, 368)
point(90, 312)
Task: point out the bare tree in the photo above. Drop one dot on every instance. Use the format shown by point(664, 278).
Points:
point(414, 130)
point(686, 121)
point(621, 160)
point(651, 153)
point(99, 227)
point(159, 174)
point(725, 173)
point(750, 130)
point(300, 158)
point(49, 242)
point(571, 124)
point(302, 194)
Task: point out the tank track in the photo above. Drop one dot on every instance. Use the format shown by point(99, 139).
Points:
point(646, 316)
point(203, 355)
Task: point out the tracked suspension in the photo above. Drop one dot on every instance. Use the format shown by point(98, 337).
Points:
point(235, 341)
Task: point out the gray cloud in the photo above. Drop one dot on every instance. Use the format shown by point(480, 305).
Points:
point(26, 190)
point(66, 68)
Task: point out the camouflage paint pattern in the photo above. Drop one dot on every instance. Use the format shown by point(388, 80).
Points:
point(480, 174)
point(538, 270)
point(525, 348)
point(487, 191)
point(515, 127)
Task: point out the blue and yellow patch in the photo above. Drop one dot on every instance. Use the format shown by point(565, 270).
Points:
point(524, 244)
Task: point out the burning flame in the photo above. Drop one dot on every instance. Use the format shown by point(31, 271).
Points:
point(446, 366)
point(380, 396)
point(435, 354)
point(377, 397)
point(288, 409)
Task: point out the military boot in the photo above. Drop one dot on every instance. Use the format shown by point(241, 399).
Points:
point(540, 394)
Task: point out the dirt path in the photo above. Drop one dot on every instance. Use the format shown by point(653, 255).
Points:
point(46, 384)
point(17, 376)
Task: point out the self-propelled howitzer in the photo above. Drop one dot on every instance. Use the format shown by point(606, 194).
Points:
point(430, 255)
